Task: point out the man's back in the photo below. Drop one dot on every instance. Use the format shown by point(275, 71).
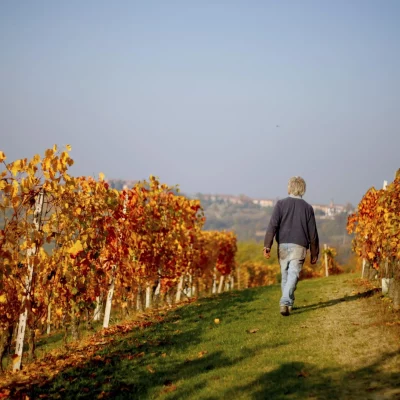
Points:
point(293, 221)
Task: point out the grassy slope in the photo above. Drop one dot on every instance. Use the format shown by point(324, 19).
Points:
point(335, 345)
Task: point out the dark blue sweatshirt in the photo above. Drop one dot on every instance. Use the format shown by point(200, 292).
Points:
point(293, 221)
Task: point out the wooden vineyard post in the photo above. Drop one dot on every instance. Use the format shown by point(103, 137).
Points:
point(326, 261)
point(37, 216)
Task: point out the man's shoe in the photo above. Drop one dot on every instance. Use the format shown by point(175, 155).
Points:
point(284, 310)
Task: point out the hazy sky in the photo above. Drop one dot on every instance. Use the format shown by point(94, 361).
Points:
point(216, 96)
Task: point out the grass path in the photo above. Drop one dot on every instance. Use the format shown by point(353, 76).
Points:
point(341, 342)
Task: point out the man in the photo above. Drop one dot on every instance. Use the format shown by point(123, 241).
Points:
point(293, 226)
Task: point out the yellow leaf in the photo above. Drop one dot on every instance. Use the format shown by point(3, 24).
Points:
point(35, 159)
point(16, 167)
point(371, 254)
point(216, 320)
point(76, 248)
point(2, 156)
point(101, 176)
point(55, 148)
point(3, 184)
point(3, 298)
point(49, 153)
point(68, 147)
point(59, 312)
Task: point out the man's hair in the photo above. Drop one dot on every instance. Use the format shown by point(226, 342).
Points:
point(297, 186)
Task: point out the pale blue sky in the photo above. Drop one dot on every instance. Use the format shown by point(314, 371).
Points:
point(193, 91)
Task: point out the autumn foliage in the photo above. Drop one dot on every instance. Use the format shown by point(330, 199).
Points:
point(376, 225)
point(58, 262)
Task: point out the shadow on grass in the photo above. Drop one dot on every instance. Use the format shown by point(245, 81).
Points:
point(300, 380)
point(153, 357)
point(333, 302)
point(50, 339)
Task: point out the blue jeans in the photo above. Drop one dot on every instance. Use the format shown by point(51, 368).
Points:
point(291, 259)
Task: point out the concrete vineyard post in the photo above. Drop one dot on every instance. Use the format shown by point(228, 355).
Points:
point(179, 290)
point(214, 282)
point(139, 303)
point(48, 318)
point(148, 296)
point(221, 283)
point(97, 311)
point(110, 293)
point(37, 216)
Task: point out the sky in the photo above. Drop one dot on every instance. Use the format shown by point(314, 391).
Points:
point(231, 97)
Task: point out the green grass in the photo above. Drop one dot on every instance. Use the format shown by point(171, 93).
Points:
point(328, 348)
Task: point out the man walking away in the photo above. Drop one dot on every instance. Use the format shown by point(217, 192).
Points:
point(293, 226)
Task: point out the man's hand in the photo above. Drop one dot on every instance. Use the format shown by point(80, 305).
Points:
point(314, 260)
point(267, 253)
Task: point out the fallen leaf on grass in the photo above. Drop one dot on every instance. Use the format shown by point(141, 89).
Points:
point(202, 353)
point(303, 374)
point(164, 355)
point(216, 321)
point(303, 326)
point(392, 323)
point(169, 387)
point(252, 330)
point(150, 369)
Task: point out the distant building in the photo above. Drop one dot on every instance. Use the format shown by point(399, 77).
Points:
point(329, 211)
point(264, 202)
point(226, 198)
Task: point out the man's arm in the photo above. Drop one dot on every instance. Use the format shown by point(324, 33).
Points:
point(273, 226)
point(314, 240)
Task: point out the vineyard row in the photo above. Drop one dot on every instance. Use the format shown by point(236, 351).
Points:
point(72, 247)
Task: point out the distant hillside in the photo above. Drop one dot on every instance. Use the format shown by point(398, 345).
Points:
point(250, 220)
